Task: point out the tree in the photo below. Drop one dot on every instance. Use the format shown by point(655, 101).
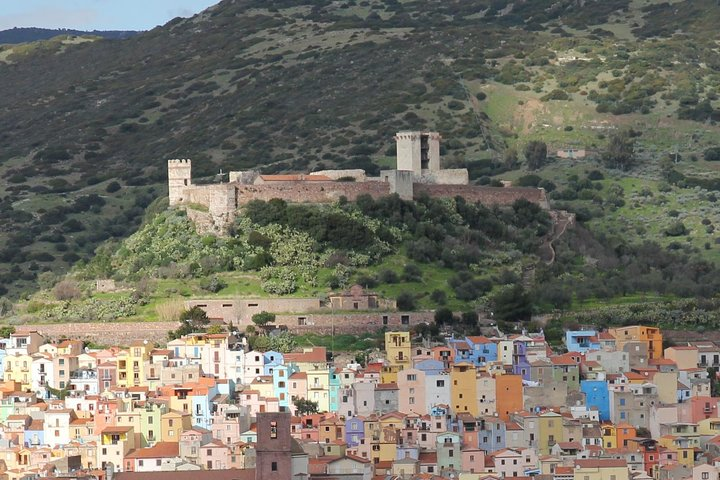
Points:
point(444, 316)
point(305, 406)
point(6, 331)
point(406, 302)
point(512, 303)
point(535, 154)
point(191, 321)
point(620, 151)
point(263, 318)
point(215, 329)
point(469, 318)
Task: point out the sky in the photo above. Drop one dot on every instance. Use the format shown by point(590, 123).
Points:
point(96, 14)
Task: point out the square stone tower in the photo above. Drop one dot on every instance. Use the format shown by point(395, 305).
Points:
point(179, 178)
point(274, 447)
point(418, 151)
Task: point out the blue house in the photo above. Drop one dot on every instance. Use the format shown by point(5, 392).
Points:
point(597, 395)
point(272, 359)
point(281, 385)
point(482, 350)
point(430, 367)
point(581, 340)
point(354, 431)
point(461, 349)
point(334, 390)
point(491, 434)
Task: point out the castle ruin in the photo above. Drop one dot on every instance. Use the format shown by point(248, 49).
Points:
point(418, 172)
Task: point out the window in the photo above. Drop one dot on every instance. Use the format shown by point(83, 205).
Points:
point(440, 383)
point(405, 319)
point(140, 462)
point(705, 475)
point(451, 453)
point(158, 462)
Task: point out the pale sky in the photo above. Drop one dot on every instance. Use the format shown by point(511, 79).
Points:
point(96, 14)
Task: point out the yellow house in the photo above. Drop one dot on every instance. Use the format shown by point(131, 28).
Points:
point(173, 424)
point(18, 369)
point(550, 431)
point(684, 446)
point(601, 469)
point(709, 426)
point(398, 349)
point(318, 388)
point(667, 386)
point(115, 443)
point(685, 357)
point(131, 364)
point(81, 428)
point(463, 391)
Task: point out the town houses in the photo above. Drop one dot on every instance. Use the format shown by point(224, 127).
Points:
point(609, 405)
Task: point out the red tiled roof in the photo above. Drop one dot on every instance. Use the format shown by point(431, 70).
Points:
point(160, 450)
point(600, 463)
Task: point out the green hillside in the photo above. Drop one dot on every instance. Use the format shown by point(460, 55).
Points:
point(430, 254)
point(289, 85)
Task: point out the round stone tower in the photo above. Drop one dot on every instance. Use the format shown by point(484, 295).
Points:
point(179, 178)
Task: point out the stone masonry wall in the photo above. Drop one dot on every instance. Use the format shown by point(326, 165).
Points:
point(125, 333)
point(310, 192)
point(488, 196)
point(119, 333)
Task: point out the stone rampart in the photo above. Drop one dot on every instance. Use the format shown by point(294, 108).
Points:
point(310, 192)
point(119, 333)
point(488, 196)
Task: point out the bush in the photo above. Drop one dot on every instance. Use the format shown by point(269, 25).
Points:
point(66, 290)
point(388, 277)
point(677, 229)
point(439, 297)
point(412, 273)
point(712, 154)
point(406, 302)
point(112, 187)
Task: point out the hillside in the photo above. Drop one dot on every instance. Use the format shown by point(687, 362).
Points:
point(291, 85)
point(32, 34)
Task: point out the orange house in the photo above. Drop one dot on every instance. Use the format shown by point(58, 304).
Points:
point(624, 432)
point(444, 354)
point(508, 395)
point(652, 336)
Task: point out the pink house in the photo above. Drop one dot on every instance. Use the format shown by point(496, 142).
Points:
point(473, 460)
point(215, 455)
point(697, 408)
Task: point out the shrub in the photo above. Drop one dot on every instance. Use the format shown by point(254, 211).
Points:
point(677, 229)
point(406, 302)
point(66, 290)
point(388, 276)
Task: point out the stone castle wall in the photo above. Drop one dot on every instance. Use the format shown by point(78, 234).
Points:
point(487, 196)
point(310, 192)
point(120, 333)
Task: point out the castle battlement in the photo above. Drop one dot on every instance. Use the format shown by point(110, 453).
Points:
point(179, 161)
